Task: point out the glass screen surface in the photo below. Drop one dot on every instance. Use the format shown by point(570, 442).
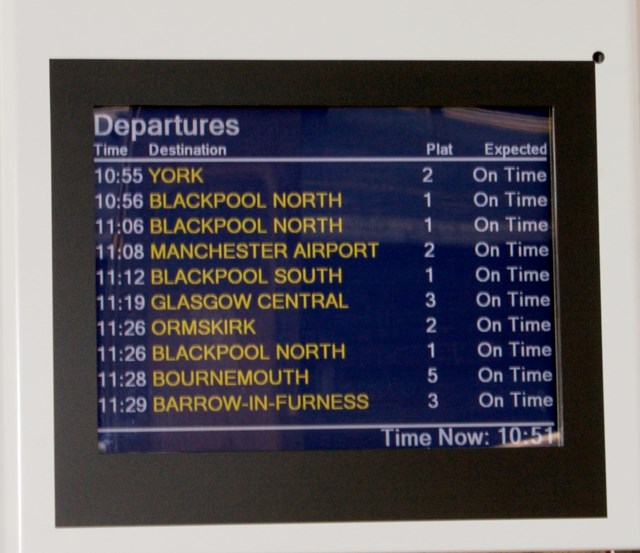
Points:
point(324, 278)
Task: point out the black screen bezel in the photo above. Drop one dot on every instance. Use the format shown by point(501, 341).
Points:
point(325, 486)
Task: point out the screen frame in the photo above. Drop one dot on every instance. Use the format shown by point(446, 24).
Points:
point(325, 486)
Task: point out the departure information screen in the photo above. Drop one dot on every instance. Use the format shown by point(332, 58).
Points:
point(324, 278)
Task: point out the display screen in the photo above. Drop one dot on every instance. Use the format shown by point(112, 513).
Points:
point(325, 278)
point(325, 291)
